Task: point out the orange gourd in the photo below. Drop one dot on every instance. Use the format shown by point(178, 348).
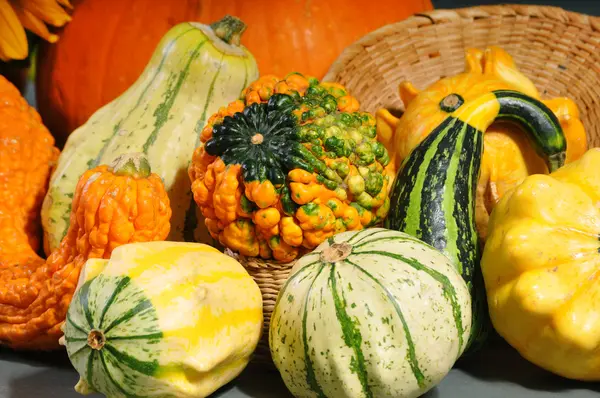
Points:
point(112, 205)
point(75, 78)
point(508, 157)
point(27, 154)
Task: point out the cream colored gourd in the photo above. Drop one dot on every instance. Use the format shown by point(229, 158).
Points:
point(370, 313)
point(162, 319)
point(195, 70)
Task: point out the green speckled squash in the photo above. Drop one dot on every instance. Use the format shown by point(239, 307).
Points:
point(195, 70)
point(373, 313)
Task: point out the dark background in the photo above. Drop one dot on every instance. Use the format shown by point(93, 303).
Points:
point(591, 7)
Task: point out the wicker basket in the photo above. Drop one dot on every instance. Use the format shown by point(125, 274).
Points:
point(270, 277)
point(558, 50)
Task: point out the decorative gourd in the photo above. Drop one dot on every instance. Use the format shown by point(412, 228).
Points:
point(112, 206)
point(168, 319)
point(27, 154)
point(508, 156)
point(541, 267)
point(72, 79)
point(194, 70)
point(288, 166)
point(372, 313)
point(433, 196)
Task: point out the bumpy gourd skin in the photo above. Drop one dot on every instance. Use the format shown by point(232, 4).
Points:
point(27, 154)
point(111, 207)
point(287, 166)
point(541, 266)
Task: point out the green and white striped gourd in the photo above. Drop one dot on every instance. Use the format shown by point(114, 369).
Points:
point(433, 196)
point(162, 319)
point(195, 70)
point(373, 313)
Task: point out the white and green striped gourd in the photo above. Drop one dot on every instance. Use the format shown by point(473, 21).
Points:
point(373, 313)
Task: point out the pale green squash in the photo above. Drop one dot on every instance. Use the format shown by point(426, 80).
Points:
point(195, 70)
point(371, 313)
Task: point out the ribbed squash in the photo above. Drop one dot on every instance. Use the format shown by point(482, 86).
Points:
point(287, 166)
point(372, 313)
point(112, 205)
point(433, 196)
point(194, 70)
point(162, 319)
point(508, 156)
point(541, 266)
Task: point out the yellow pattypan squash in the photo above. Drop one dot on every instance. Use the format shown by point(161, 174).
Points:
point(541, 266)
point(162, 319)
point(508, 157)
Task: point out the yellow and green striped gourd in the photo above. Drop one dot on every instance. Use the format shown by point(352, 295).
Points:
point(162, 319)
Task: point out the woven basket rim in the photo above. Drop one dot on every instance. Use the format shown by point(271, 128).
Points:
point(460, 15)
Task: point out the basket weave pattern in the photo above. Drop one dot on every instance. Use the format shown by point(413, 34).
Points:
point(270, 277)
point(558, 50)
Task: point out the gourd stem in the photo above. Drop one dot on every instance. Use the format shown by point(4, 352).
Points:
point(257, 139)
point(336, 252)
point(96, 339)
point(132, 164)
point(229, 29)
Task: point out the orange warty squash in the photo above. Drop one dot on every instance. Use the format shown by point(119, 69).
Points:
point(27, 154)
point(287, 166)
point(112, 205)
point(74, 79)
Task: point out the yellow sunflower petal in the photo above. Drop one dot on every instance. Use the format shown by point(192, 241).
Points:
point(13, 42)
point(35, 25)
point(3, 56)
point(48, 11)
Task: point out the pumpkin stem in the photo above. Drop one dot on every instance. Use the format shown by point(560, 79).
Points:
point(336, 252)
point(96, 339)
point(132, 164)
point(229, 29)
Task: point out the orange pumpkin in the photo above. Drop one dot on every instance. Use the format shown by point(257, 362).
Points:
point(75, 78)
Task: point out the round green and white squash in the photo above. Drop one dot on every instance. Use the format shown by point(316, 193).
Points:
point(162, 319)
point(373, 313)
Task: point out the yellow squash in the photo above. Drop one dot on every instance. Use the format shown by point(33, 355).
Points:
point(164, 319)
point(541, 266)
point(508, 157)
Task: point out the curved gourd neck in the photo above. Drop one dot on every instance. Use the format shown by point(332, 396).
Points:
point(531, 115)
